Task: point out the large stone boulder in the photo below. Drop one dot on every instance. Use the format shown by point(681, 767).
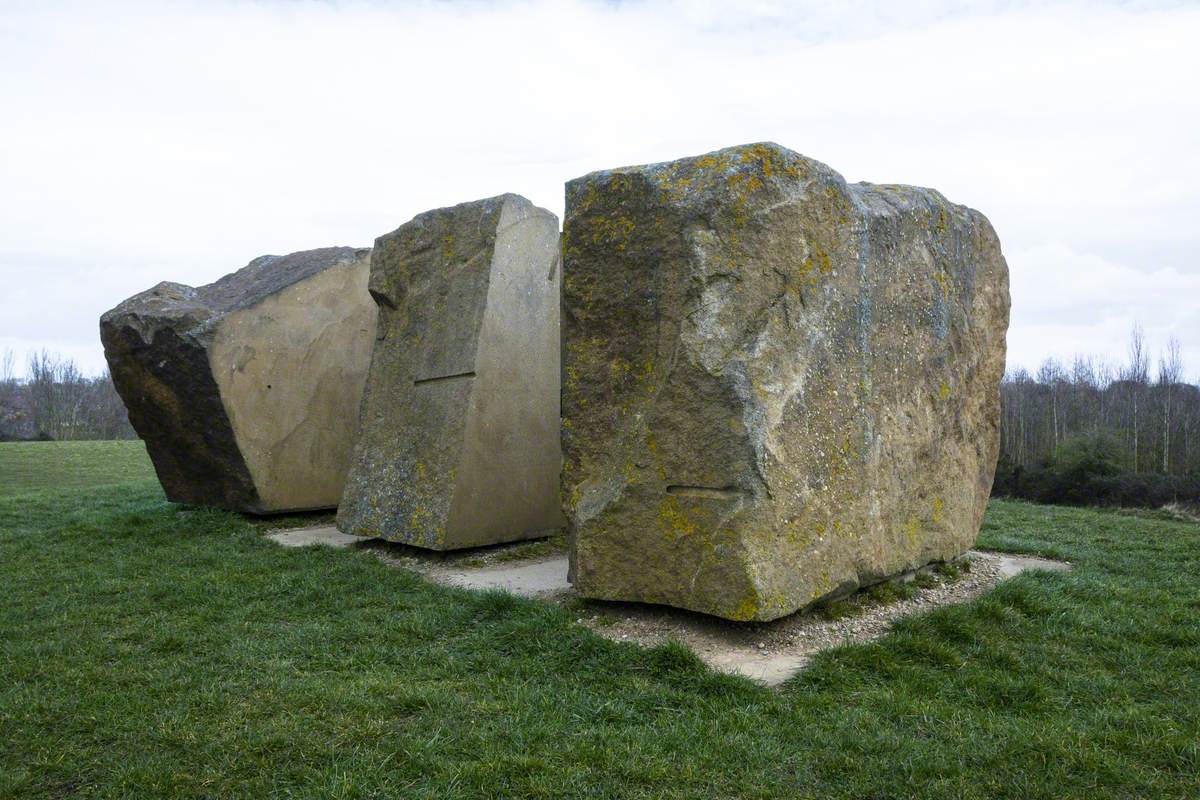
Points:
point(459, 443)
point(777, 387)
point(246, 391)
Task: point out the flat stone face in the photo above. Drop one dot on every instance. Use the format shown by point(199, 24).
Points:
point(776, 386)
point(526, 578)
point(325, 535)
point(459, 443)
point(246, 391)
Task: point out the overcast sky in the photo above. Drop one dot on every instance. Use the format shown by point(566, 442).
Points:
point(142, 142)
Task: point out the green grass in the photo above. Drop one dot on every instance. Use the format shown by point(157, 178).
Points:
point(28, 466)
point(152, 651)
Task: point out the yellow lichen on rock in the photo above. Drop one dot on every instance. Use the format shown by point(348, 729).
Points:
point(772, 400)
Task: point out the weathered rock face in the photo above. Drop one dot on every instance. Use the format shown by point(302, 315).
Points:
point(776, 386)
point(459, 443)
point(247, 390)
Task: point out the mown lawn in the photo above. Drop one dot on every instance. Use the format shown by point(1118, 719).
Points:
point(148, 650)
point(30, 466)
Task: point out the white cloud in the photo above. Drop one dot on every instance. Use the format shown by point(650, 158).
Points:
point(151, 141)
point(1080, 303)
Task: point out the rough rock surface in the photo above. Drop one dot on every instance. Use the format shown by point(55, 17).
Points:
point(459, 443)
point(246, 391)
point(776, 386)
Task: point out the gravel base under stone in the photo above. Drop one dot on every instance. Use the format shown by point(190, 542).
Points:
point(773, 651)
point(769, 652)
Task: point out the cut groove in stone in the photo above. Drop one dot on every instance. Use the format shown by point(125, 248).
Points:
point(445, 463)
point(707, 492)
point(456, 376)
point(746, 318)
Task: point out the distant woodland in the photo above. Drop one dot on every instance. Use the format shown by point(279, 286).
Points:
point(1088, 432)
point(1094, 432)
point(55, 400)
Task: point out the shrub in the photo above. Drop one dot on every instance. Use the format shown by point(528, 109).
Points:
point(1085, 472)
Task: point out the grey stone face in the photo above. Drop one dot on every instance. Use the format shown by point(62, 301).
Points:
point(776, 386)
point(459, 443)
point(246, 391)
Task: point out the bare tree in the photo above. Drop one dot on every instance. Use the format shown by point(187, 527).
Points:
point(62, 403)
point(1137, 374)
point(107, 418)
point(10, 412)
point(1105, 373)
point(1170, 371)
point(55, 391)
point(1051, 375)
point(1155, 424)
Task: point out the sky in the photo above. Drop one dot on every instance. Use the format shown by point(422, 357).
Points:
point(142, 142)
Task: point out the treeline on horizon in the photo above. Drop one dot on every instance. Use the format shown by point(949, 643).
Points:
point(1090, 432)
point(1095, 433)
point(56, 401)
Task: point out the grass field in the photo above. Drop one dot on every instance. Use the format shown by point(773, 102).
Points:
point(148, 650)
point(31, 466)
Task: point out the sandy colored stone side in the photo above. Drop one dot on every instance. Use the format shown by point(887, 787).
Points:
point(459, 445)
point(776, 386)
point(246, 390)
point(291, 371)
